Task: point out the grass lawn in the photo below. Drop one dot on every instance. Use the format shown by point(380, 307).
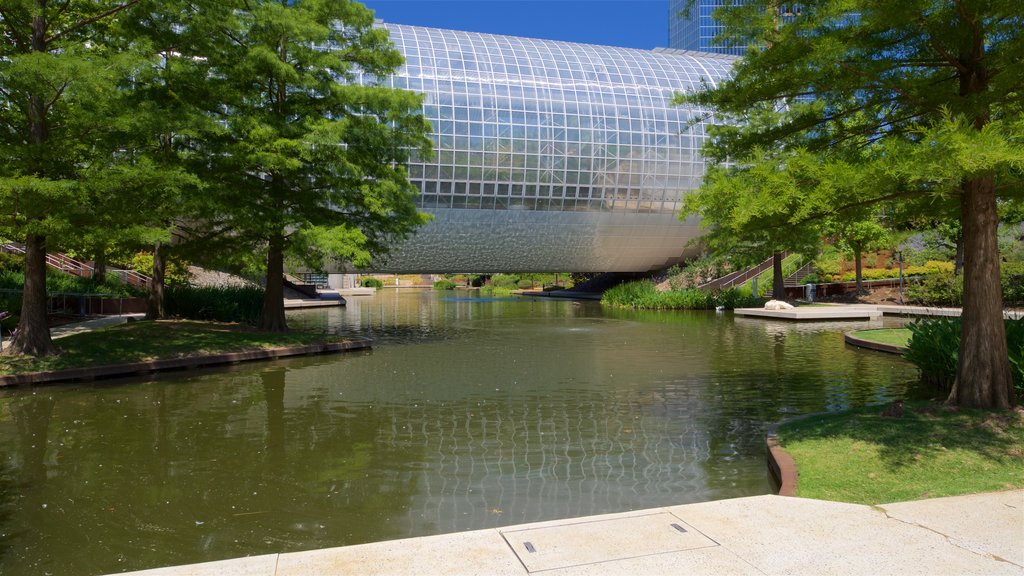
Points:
point(932, 451)
point(147, 340)
point(894, 336)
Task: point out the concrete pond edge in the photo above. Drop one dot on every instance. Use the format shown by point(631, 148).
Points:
point(184, 363)
point(872, 345)
point(781, 465)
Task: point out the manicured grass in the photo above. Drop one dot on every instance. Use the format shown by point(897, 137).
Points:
point(864, 457)
point(893, 336)
point(141, 341)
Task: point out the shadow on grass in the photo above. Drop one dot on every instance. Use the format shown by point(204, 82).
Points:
point(925, 431)
point(140, 341)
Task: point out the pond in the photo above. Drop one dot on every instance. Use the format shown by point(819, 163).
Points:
point(468, 413)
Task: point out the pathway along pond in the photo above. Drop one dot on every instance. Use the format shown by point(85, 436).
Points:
point(469, 413)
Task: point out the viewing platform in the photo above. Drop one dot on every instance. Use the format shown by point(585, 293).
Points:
point(974, 534)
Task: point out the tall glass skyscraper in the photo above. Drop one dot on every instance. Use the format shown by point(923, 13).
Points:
point(697, 30)
point(550, 156)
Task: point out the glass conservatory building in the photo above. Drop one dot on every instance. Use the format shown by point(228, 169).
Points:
point(550, 156)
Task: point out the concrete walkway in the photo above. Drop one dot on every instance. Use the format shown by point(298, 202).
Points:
point(857, 312)
point(977, 534)
point(87, 325)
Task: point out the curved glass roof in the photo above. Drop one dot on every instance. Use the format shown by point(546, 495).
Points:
point(528, 124)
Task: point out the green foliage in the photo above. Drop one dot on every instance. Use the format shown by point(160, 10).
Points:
point(11, 262)
point(176, 272)
point(935, 346)
point(371, 283)
point(922, 118)
point(524, 284)
point(1013, 283)
point(937, 290)
point(221, 303)
point(930, 267)
point(61, 283)
point(504, 281)
point(444, 285)
point(699, 271)
point(643, 295)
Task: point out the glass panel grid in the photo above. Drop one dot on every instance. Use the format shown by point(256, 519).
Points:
point(573, 127)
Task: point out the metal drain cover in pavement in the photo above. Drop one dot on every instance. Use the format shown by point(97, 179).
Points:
point(581, 542)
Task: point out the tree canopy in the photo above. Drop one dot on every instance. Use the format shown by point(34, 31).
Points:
point(257, 126)
point(913, 102)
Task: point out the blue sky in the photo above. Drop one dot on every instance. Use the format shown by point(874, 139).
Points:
point(627, 23)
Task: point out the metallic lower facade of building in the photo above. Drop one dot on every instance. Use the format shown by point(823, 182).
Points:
point(551, 156)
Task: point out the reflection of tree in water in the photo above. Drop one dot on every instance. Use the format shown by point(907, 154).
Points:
point(23, 471)
point(163, 474)
point(762, 372)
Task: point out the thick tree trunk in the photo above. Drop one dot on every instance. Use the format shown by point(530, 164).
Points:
point(33, 336)
point(272, 314)
point(778, 282)
point(155, 304)
point(983, 378)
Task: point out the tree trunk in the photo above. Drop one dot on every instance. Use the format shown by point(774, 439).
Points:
point(99, 266)
point(33, 336)
point(983, 378)
point(272, 314)
point(858, 267)
point(778, 282)
point(155, 304)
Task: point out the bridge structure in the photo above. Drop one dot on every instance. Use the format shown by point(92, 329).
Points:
point(550, 156)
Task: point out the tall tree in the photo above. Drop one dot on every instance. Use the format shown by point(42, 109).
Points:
point(304, 157)
point(935, 85)
point(58, 87)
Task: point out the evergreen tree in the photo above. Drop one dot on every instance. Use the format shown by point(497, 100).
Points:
point(930, 92)
point(64, 162)
point(302, 158)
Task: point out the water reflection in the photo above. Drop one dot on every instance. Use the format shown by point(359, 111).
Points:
point(466, 414)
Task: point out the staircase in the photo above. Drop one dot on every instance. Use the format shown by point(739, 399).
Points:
point(739, 277)
point(69, 265)
point(797, 278)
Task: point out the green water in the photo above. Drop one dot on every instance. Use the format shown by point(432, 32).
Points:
point(467, 414)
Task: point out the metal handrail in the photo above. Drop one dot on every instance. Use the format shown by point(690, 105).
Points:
point(740, 276)
point(69, 265)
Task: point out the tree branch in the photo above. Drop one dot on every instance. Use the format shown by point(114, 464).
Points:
point(87, 21)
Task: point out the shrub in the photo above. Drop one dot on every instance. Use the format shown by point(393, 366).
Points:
point(221, 303)
point(934, 347)
point(371, 283)
point(11, 262)
point(524, 284)
point(497, 290)
point(1013, 283)
point(642, 294)
point(698, 271)
point(937, 290)
point(176, 271)
point(444, 285)
point(503, 281)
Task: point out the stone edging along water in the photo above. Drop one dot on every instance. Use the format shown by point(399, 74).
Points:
point(780, 464)
point(189, 362)
point(872, 345)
